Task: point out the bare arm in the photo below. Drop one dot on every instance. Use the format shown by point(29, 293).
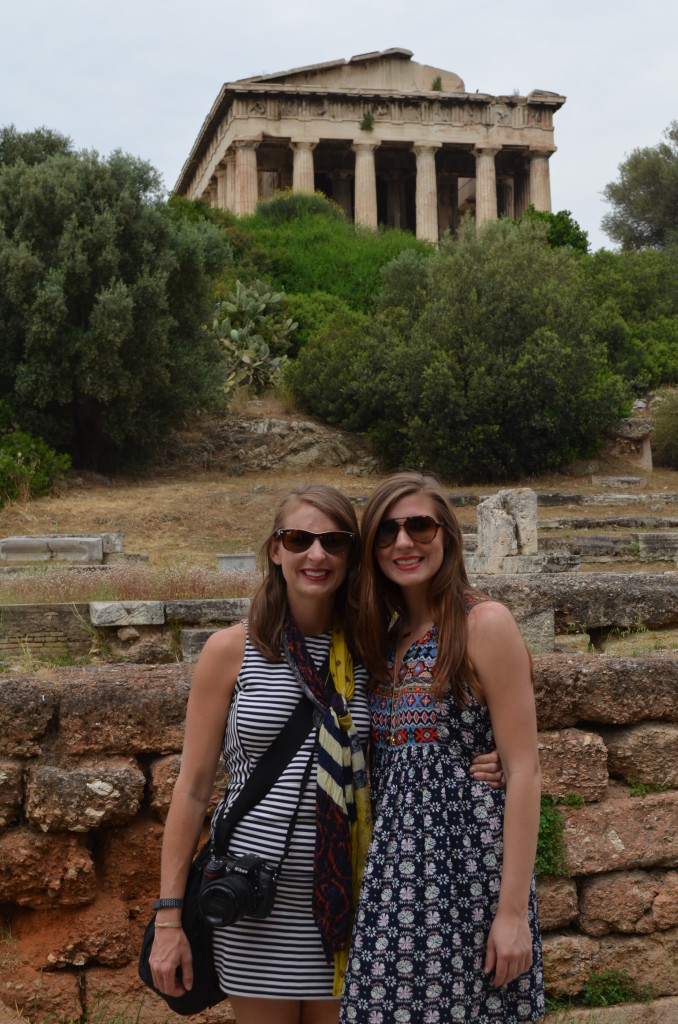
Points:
point(501, 662)
point(208, 705)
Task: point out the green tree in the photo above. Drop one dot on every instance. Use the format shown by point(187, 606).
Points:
point(500, 372)
point(103, 297)
point(31, 147)
point(645, 198)
point(637, 296)
point(563, 229)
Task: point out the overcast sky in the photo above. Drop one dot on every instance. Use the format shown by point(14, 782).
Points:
point(141, 75)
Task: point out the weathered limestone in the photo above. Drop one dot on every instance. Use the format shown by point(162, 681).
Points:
point(38, 870)
point(83, 797)
point(604, 689)
point(85, 550)
point(573, 762)
point(127, 709)
point(619, 834)
point(245, 561)
point(506, 540)
point(557, 898)
point(99, 932)
point(11, 791)
point(163, 775)
point(300, 128)
point(647, 752)
point(30, 706)
point(127, 613)
point(659, 1011)
point(629, 902)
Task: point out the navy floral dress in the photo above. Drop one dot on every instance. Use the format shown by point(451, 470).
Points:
point(433, 873)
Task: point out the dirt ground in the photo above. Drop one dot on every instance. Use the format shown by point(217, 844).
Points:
point(186, 516)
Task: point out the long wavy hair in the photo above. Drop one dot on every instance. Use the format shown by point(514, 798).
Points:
point(269, 604)
point(375, 600)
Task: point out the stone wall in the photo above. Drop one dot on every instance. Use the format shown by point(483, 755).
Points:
point(88, 757)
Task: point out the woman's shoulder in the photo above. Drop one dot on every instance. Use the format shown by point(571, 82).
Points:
point(229, 642)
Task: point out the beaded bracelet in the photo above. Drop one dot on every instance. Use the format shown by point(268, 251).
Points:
point(168, 924)
point(168, 901)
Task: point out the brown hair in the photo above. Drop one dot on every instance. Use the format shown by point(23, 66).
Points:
point(269, 604)
point(375, 600)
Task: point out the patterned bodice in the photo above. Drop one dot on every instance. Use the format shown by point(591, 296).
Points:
point(407, 714)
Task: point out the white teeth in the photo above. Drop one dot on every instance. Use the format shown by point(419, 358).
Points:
point(317, 575)
point(407, 561)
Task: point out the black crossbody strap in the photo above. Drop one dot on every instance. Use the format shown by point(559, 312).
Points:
point(269, 768)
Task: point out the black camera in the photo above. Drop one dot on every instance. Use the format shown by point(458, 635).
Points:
point(235, 887)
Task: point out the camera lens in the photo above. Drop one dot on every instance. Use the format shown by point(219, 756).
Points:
point(228, 901)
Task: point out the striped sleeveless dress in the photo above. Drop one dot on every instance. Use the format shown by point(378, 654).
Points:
point(280, 957)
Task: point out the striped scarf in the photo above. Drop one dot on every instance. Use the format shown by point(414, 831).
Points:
point(343, 815)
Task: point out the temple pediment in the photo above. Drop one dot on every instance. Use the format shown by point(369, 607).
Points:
point(385, 70)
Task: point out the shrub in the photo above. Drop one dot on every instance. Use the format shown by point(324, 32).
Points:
point(318, 253)
point(550, 859)
point(490, 366)
point(312, 313)
point(665, 433)
point(29, 468)
point(286, 205)
point(609, 988)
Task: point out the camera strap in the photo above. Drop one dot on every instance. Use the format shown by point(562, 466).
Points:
point(268, 770)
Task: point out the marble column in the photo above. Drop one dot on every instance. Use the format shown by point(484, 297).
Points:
point(521, 192)
point(222, 188)
point(448, 202)
point(213, 194)
point(540, 179)
point(246, 181)
point(303, 174)
point(365, 183)
point(506, 199)
point(229, 160)
point(486, 185)
point(426, 193)
point(341, 190)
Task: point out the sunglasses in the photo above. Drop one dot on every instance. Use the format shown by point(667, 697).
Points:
point(421, 529)
point(334, 542)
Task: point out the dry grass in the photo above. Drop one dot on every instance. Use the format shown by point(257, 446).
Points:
point(66, 584)
point(186, 517)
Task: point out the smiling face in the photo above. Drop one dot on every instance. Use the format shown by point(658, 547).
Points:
point(312, 577)
point(410, 564)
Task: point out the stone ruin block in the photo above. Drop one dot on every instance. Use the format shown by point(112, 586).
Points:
point(573, 761)
point(629, 902)
point(38, 870)
point(83, 550)
point(127, 613)
point(85, 796)
point(558, 904)
point(507, 523)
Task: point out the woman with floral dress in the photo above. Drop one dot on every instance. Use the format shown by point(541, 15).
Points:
point(447, 927)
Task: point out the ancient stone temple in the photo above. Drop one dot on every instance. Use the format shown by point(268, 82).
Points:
point(391, 141)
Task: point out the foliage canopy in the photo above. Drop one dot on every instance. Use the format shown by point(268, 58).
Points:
point(645, 198)
point(483, 362)
point(103, 294)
